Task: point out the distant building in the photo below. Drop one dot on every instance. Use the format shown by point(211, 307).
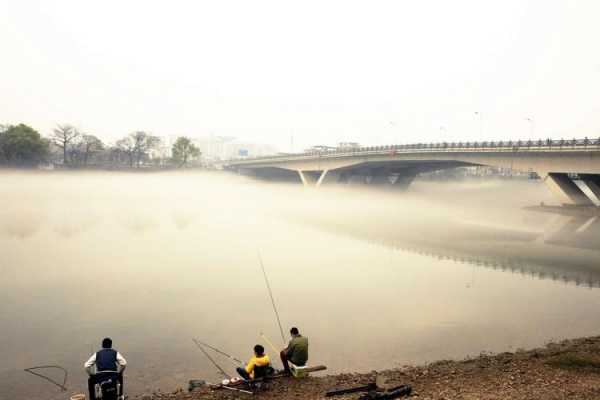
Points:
point(219, 148)
point(348, 145)
point(319, 149)
point(243, 150)
point(207, 147)
point(164, 149)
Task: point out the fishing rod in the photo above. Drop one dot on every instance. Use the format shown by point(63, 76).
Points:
point(266, 339)
point(63, 386)
point(230, 357)
point(271, 296)
point(228, 388)
point(221, 370)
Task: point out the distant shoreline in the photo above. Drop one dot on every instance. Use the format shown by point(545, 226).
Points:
point(102, 169)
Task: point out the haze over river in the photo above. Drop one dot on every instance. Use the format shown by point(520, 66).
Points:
point(375, 279)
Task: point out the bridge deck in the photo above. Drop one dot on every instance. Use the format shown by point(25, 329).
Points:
point(547, 146)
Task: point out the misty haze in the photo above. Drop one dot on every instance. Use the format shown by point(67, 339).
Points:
point(158, 259)
point(351, 200)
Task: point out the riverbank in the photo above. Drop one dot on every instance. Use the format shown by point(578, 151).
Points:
point(565, 370)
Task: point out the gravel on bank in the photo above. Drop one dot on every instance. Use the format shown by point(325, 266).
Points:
point(565, 370)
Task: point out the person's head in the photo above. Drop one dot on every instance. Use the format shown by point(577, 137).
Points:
point(259, 350)
point(294, 332)
point(106, 343)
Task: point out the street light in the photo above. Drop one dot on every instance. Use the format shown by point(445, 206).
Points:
point(531, 126)
point(478, 113)
point(392, 127)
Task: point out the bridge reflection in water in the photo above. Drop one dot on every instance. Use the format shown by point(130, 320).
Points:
point(568, 253)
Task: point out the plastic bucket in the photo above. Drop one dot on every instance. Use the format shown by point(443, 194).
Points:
point(298, 372)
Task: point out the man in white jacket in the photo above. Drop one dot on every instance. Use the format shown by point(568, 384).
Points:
point(105, 360)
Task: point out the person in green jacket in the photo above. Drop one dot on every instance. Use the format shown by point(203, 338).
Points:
point(296, 351)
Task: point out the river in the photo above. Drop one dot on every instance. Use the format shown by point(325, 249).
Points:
point(376, 280)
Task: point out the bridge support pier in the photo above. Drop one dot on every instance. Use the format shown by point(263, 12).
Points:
point(322, 177)
point(402, 182)
point(308, 178)
point(356, 179)
point(567, 190)
point(592, 181)
point(399, 180)
point(382, 179)
point(317, 178)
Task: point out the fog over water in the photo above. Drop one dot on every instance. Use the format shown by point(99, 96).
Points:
point(375, 279)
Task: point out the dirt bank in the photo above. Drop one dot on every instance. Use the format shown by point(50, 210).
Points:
point(569, 369)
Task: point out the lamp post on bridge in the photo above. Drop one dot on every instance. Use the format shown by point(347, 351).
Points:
point(480, 115)
point(392, 126)
point(531, 127)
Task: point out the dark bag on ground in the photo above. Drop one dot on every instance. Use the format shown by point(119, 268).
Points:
point(397, 392)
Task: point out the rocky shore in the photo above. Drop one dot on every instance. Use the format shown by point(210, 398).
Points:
point(565, 370)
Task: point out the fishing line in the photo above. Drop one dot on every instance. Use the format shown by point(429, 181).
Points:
point(62, 387)
point(221, 370)
point(271, 296)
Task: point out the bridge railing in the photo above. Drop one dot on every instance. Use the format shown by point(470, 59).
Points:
point(494, 146)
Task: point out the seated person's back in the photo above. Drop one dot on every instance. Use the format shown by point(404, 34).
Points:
point(297, 350)
point(259, 365)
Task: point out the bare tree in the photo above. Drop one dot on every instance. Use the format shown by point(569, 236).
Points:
point(90, 144)
point(136, 146)
point(143, 143)
point(63, 136)
point(127, 147)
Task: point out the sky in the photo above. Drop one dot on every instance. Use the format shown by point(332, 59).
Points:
point(296, 74)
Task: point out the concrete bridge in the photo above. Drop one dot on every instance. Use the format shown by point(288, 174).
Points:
point(557, 161)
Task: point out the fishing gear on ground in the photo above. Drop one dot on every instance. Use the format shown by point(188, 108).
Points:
point(378, 390)
point(197, 383)
point(63, 386)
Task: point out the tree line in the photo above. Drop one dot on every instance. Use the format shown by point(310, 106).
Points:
point(67, 146)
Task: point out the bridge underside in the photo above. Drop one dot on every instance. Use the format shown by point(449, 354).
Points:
point(393, 175)
point(399, 174)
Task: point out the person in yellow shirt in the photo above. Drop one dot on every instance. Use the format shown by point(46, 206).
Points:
point(259, 366)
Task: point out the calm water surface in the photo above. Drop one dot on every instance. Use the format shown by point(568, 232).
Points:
point(376, 280)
